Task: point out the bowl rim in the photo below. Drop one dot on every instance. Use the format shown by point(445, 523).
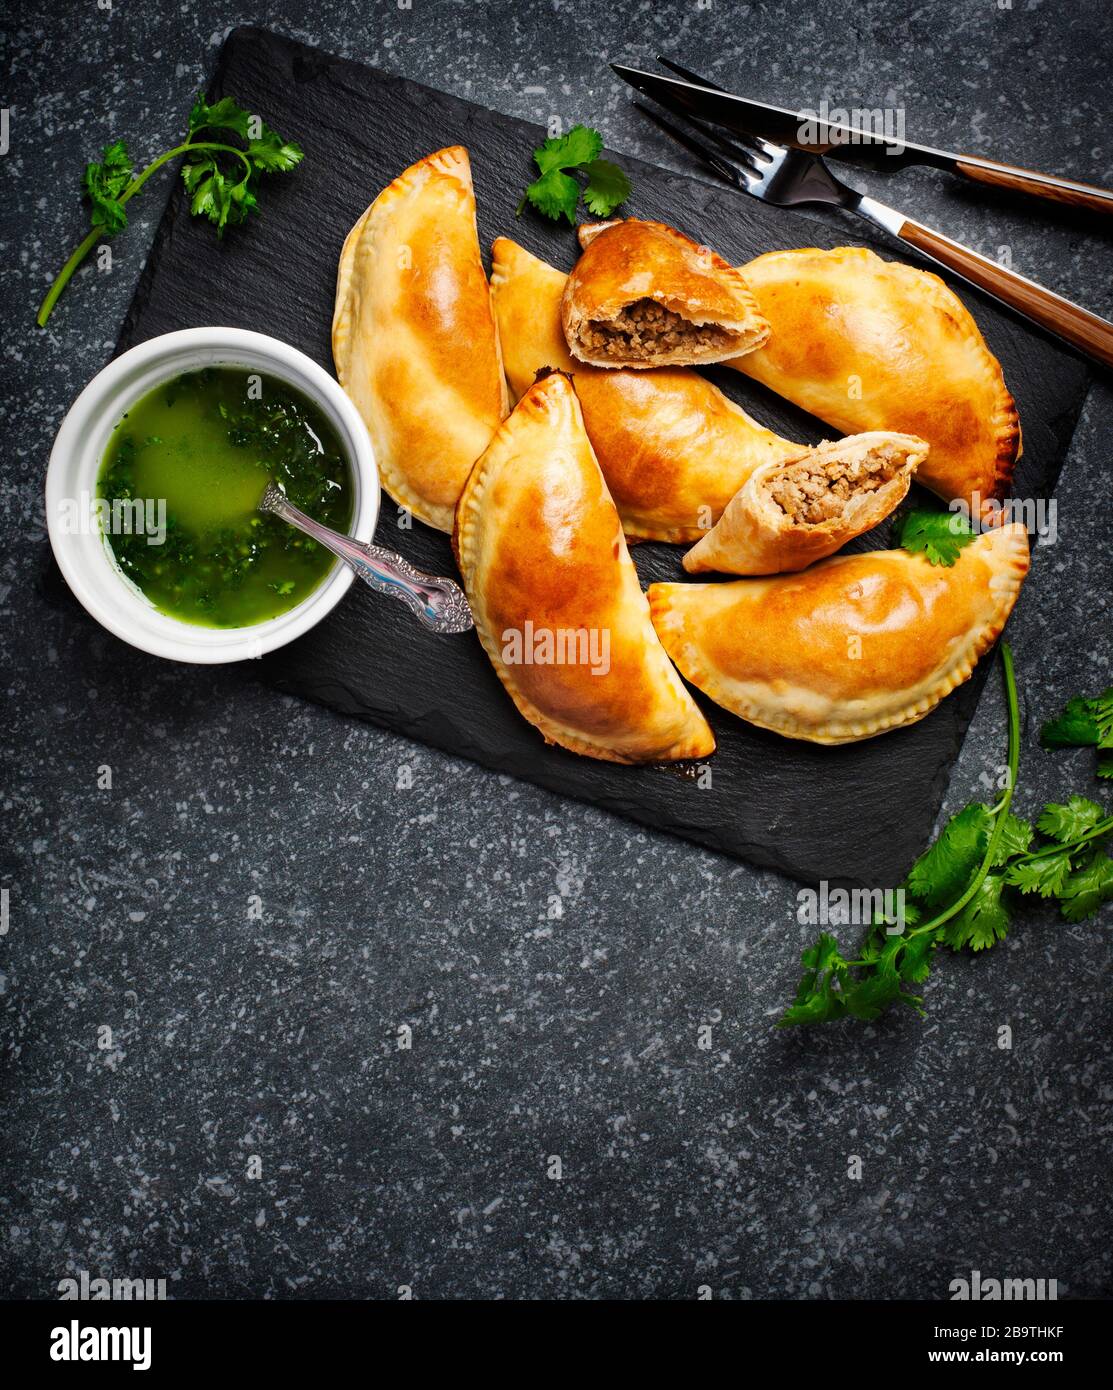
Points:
point(75, 460)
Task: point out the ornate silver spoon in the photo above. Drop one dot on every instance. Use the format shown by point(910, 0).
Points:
point(438, 602)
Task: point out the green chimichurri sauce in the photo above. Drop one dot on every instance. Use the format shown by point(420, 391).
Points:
point(196, 454)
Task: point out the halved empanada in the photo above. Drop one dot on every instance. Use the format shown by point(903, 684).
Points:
point(414, 338)
point(673, 449)
point(556, 598)
point(644, 295)
point(850, 648)
point(868, 344)
point(788, 515)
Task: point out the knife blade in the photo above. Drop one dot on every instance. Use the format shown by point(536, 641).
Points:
point(819, 134)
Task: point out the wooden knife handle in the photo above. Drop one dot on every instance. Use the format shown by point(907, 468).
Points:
point(1017, 180)
point(1083, 330)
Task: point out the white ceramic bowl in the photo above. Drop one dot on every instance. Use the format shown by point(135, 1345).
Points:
point(82, 551)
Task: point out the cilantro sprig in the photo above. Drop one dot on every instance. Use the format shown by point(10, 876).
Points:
point(1085, 723)
point(556, 193)
point(939, 536)
point(959, 893)
point(220, 176)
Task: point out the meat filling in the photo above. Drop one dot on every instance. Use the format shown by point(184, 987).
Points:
point(645, 329)
point(816, 489)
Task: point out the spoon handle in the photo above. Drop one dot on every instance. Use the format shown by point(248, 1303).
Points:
point(438, 602)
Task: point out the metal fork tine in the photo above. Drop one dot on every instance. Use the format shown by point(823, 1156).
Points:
point(688, 75)
point(764, 146)
point(723, 167)
point(739, 147)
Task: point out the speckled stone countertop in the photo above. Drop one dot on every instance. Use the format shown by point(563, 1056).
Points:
point(250, 1126)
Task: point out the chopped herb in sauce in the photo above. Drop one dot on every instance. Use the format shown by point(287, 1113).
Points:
point(196, 453)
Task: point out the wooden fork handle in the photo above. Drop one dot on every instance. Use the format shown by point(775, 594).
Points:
point(1017, 180)
point(1077, 326)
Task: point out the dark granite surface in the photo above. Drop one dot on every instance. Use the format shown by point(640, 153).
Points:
point(533, 1034)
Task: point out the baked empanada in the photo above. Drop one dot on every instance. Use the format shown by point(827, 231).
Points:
point(854, 646)
point(788, 515)
point(868, 344)
point(673, 449)
point(414, 338)
point(556, 598)
point(644, 295)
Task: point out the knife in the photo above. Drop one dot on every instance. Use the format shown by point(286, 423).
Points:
point(809, 131)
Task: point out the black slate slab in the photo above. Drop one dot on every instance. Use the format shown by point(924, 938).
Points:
point(858, 813)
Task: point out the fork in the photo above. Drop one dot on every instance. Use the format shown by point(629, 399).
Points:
point(787, 177)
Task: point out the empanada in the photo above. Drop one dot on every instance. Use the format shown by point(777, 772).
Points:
point(673, 449)
point(788, 515)
point(414, 338)
point(556, 598)
point(868, 344)
point(644, 295)
point(854, 646)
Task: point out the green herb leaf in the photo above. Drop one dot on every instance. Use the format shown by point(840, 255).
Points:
point(219, 171)
point(1044, 876)
point(1076, 727)
point(915, 960)
point(818, 999)
point(941, 873)
point(556, 193)
point(104, 183)
point(938, 536)
point(1016, 838)
point(983, 921)
point(1085, 723)
point(1088, 888)
point(1070, 820)
point(607, 186)
point(579, 146)
point(957, 891)
point(1102, 709)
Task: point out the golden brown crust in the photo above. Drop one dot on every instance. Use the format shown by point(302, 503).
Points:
point(628, 262)
point(868, 344)
point(674, 450)
point(850, 648)
point(756, 536)
point(541, 552)
point(414, 337)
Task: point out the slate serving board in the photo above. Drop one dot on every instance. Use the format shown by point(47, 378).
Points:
point(859, 813)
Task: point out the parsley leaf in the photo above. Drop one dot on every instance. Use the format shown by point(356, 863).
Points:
point(1016, 838)
point(266, 149)
point(1085, 724)
point(556, 193)
point(607, 186)
point(1044, 876)
point(1069, 821)
point(983, 921)
point(941, 873)
point(104, 182)
point(1076, 727)
point(938, 536)
point(1088, 888)
point(226, 149)
point(580, 146)
point(958, 892)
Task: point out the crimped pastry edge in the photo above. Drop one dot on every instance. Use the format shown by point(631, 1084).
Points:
point(468, 523)
point(1006, 419)
point(452, 162)
point(669, 626)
